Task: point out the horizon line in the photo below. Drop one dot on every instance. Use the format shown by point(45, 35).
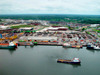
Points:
point(49, 14)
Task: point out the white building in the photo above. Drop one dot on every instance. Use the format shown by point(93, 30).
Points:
point(4, 27)
point(94, 25)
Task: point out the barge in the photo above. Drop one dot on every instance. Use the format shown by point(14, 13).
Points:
point(73, 61)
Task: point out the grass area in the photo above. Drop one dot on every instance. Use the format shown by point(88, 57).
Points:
point(22, 26)
point(98, 31)
point(40, 28)
point(55, 24)
point(45, 26)
point(66, 26)
point(88, 33)
point(99, 36)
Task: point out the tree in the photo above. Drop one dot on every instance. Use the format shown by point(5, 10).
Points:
point(83, 29)
point(0, 20)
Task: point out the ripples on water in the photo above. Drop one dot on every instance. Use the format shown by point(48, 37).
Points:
point(42, 60)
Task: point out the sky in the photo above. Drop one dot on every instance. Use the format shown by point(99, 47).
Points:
point(50, 7)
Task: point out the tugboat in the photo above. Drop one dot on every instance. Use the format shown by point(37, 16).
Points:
point(10, 45)
point(90, 46)
point(73, 61)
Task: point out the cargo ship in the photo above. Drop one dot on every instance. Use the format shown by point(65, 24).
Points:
point(10, 45)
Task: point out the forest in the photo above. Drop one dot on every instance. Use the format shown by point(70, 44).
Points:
point(86, 19)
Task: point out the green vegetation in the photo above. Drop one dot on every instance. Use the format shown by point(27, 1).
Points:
point(22, 41)
point(91, 21)
point(70, 28)
point(40, 29)
point(98, 31)
point(0, 20)
point(88, 32)
point(34, 31)
point(35, 43)
point(20, 26)
point(99, 36)
point(86, 19)
point(55, 25)
point(83, 29)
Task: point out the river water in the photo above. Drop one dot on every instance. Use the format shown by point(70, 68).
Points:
point(42, 60)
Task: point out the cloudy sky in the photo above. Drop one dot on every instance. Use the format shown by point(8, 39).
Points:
point(50, 7)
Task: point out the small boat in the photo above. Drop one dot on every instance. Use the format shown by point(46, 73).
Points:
point(73, 46)
point(73, 61)
point(66, 45)
point(10, 45)
point(79, 46)
point(96, 47)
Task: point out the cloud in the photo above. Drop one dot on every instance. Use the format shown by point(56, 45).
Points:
point(49, 7)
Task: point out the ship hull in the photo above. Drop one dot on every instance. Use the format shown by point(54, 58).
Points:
point(7, 47)
point(67, 61)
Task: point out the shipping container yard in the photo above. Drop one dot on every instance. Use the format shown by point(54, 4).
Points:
point(51, 35)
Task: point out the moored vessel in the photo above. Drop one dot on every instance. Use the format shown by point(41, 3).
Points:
point(93, 47)
point(67, 45)
point(10, 45)
point(96, 48)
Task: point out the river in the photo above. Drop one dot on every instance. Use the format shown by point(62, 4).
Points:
point(42, 60)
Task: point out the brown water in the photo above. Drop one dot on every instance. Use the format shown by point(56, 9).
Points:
point(42, 60)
